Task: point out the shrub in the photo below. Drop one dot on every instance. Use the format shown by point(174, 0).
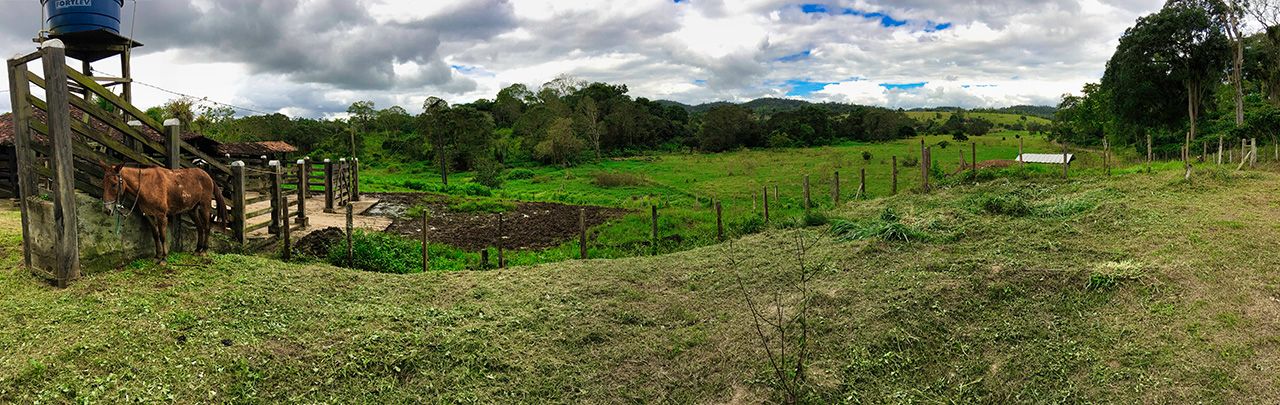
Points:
point(888, 228)
point(943, 144)
point(379, 252)
point(608, 180)
point(1003, 204)
point(746, 226)
point(910, 161)
point(519, 174)
point(815, 218)
point(415, 185)
point(488, 173)
point(866, 155)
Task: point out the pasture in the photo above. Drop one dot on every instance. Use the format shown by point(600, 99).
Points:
point(1131, 288)
point(683, 186)
point(995, 118)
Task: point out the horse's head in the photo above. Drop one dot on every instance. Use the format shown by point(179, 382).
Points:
point(112, 186)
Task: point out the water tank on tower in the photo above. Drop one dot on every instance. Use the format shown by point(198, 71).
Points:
point(68, 16)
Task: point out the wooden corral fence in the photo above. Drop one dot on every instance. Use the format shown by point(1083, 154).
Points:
point(57, 157)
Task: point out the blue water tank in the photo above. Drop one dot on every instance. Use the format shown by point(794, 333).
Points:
point(68, 16)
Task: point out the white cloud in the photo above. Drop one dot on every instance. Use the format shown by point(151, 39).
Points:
point(313, 57)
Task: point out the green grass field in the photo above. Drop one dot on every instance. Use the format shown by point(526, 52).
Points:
point(1136, 288)
point(995, 118)
point(683, 186)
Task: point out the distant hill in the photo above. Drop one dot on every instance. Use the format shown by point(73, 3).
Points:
point(1041, 111)
point(770, 105)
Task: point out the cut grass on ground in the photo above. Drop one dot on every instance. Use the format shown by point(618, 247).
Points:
point(1134, 289)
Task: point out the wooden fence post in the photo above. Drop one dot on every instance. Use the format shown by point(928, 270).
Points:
point(173, 161)
point(502, 236)
point(974, 169)
point(1020, 153)
point(172, 143)
point(328, 186)
point(925, 163)
point(1065, 161)
point(653, 228)
point(355, 179)
point(582, 233)
point(806, 194)
point(237, 202)
point(1253, 152)
point(351, 252)
point(302, 193)
point(766, 204)
point(776, 197)
point(719, 223)
point(277, 192)
point(19, 88)
point(287, 231)
point(1219, 149)
point(894, 171)
point(57, 95)
point(1150, 155)
point(426, 245)
point(1106, 156)
point(835, 188)
point(862, 183)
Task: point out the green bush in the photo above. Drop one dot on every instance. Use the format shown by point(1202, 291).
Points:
point(910, 161)
point(609, 180)
point(888, 228)
point(379, 252)
point(746, 226)
point(416, 185)
point(519, 174)
point(488, 173)
point(1003, 204)
point(815, 218)
point(866, 155)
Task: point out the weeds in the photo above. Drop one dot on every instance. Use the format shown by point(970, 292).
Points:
point(888, 228)
point(785, 335)
point(610, 180)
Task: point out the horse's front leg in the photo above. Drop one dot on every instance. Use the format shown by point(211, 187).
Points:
point(162, 238)
point(200, 217)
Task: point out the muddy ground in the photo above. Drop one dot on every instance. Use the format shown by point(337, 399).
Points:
point(531, 225)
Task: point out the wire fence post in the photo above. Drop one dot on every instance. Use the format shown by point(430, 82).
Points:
point(807, 202)
point(426, 245)
point(653, 228)
point(766, 204)
point(351, 252)
point(237, 202)
point(835, 188)
point(894, 171)
point(502, 236)
point(719, 223)
point(582, 233)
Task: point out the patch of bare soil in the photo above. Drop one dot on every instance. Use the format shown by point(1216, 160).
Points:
point(531, 225)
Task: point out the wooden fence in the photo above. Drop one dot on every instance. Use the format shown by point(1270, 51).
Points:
point(58, 156)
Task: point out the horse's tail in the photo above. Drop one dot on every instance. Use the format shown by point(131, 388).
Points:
point(222, 205)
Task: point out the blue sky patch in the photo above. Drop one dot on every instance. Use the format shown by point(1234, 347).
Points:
point(801, 88)
point(795, 57)
point(902, 86)
point(700, 82)
point(813, 8)
point(885, 20)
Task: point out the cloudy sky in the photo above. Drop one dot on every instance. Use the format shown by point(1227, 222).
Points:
point(315, 57)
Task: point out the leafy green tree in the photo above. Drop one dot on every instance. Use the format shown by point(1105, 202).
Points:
point(728, 126)
point(561, 146)
point(510, 104)
point(1178, 53)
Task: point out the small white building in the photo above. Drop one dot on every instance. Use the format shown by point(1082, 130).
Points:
point(1045, 158)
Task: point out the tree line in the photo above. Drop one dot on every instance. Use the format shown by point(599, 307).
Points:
point(564, 122)
point(1186, 76)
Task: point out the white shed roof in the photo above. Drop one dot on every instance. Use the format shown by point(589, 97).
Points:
point(1048, 158)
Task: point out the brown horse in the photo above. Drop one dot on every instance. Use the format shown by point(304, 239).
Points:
point(160, 193)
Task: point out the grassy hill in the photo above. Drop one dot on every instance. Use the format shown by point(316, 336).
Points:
point(683, 185)
point(995, 118)
point(1134, 288)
